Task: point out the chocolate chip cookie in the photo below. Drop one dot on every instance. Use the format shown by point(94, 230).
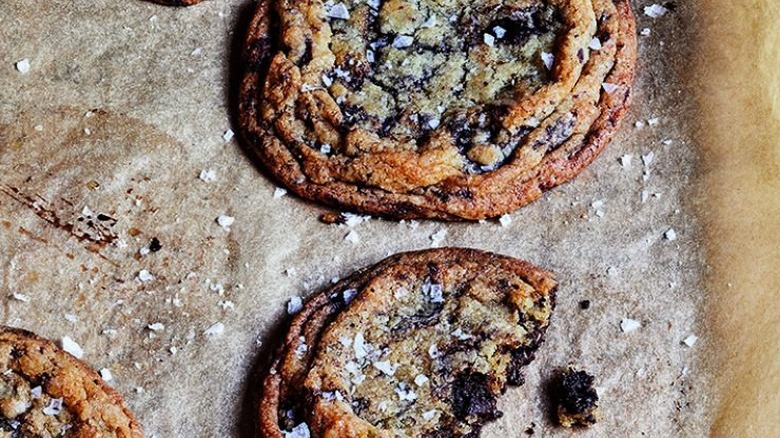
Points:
point(46, 392)
point(434, 109)
point(421, 344)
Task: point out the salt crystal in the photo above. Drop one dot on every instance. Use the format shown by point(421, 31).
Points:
point(208, 175)
point(156, 327)
point(385, 367)
point(360, 346)
point(625, 161)
point(145, 276)
point(434, 123)
point(690, 340)
point(279, 192)
point(294, 305)
point(647, 159)
point(430, 22)
point(670, 234)
point(70, 346)
point(428, 415)
point(54, 408)
point(339, 10)
point(505, 220)
point(106, 375)
point(23, 66)
point(609, 88)
point(594, 44)
point(438, 237)
point(215, 329)
point(299, 431)
point(489, 39)
point(655, 10)
point(548, 59)
point(402, 41)
point(36, 392)
point(420, 380)
point(499, 31)
point(629, 325)
point(645, 32)
point(225, 221)
point(228, 135)
point(352, 237)
point(20, 297)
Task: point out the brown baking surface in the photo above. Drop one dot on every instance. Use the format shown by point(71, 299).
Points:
point(159, 77)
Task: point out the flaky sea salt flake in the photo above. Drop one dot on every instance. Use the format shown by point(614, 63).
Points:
point(70, 346)
point(629, 325)
point(215, 329)
point(690, 341)
point(338, 10)
point(655, 10)
point(23, 66)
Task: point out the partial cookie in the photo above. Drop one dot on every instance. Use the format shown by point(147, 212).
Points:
point(46, 392)
point(438, 109)
point(421, 344)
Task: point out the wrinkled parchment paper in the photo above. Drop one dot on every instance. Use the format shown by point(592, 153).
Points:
point(119, 133)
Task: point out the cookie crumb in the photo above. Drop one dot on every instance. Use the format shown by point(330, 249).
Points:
point(577, 399)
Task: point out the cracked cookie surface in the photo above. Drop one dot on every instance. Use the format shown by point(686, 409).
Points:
point(45, 392)
point(421, 344)
point(444, 109)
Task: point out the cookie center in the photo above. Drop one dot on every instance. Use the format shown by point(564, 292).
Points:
point(404, 68)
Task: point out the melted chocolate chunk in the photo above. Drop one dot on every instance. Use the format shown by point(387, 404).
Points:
point(472, 399)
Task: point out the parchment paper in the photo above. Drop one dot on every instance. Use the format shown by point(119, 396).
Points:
point(127, 103)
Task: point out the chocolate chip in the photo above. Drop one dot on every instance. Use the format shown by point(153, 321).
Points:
point(585, 304)
point(472, 399)
point(155, 245)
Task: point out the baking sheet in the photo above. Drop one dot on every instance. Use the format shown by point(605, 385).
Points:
point(127, 103)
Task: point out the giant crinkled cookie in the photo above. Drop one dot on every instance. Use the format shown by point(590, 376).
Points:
point(420, 345)
point(448, 109)
point(46, 392)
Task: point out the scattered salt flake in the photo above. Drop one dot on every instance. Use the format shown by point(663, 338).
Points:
point(197, 51)
point(505, 220)
point(654, 121)
point(655, 10)
point(228, 135)
point(294, 305)
point(405, 394)
point(670, 234)
point(227, 304)
point(428, 415)
point(225, 221)
point(338, 10)
point(54, 408)
point(647, 159)
point(71, 317)
point(23, 66)
point(438, 237)
point(20, 297)
point(332, 395)
point(326, 149)
point(690, 340)
point(145, 276)
point(70, 346)
point(208, 175)
point(38, 128)
point(352, 219)
point(401, 292)
point(156, 327)
point(645, 196)
point(420, 380)
point(302, 348)
point(433, 292)
point(215, 329)
point(345, 341)
point(645, 32)
point(666, 142)
point(279, 192)
point(430, 22)
point(612, 271)
point(308, 87)
point(385, 367)
point(458, 333)
point(352, 237)
point(600, 213)
point(597, 204)
point(299, 431)
point(106, 375)
point(499, 31)
point(36, 392)
point(360, 346)
point(639, 124)
point(433, 123)
point(548, 59)
point(489, 39)
point(349, 295)
point(629, 325)
point(609, 88)
point(433, 351)
point(594, 44)
point(625, 161)
point(402, 41)
point(327, 81)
